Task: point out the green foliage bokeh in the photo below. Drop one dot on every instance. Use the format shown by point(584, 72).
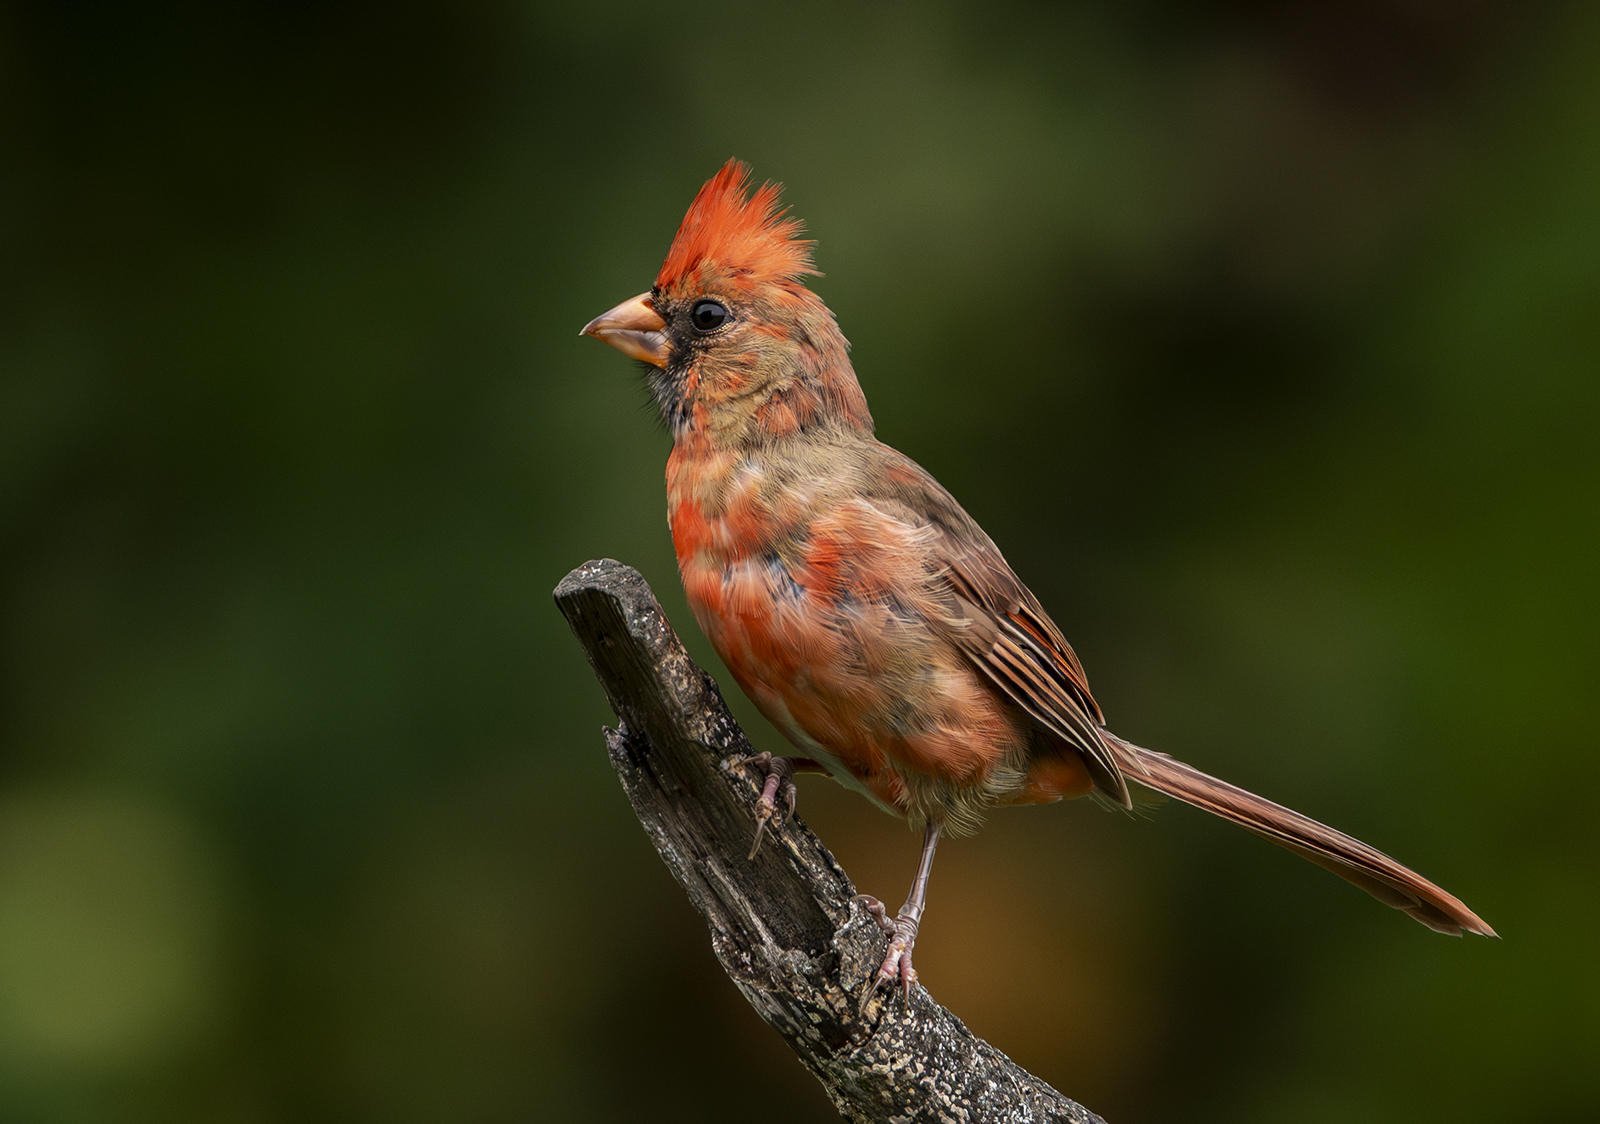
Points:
point(1263, 338)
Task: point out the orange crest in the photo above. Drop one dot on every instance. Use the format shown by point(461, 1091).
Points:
point(753, 238)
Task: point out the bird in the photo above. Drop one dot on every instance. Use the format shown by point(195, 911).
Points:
point(856, 603)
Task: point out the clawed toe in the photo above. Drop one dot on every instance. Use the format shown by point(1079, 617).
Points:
point(902, 932)
point(876, 909)
point(780, 777)
point(763, 817)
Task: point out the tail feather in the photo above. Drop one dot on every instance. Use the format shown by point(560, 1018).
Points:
point(1350, 859)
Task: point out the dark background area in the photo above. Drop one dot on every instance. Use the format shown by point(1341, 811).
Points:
point(1263, 337)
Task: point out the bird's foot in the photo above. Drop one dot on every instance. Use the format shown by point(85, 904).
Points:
point(780, 779)
point(902, 933)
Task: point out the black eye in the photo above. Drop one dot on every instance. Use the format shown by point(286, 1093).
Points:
point(708, 316)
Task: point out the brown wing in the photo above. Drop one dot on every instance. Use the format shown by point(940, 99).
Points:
point(1000, 626)
point(1010, 639)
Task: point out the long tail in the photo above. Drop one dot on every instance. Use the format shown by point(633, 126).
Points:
point(1350, 859)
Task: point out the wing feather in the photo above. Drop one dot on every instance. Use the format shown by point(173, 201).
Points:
point(1001, 627)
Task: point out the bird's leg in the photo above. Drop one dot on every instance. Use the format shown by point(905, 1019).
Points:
point(780, 778)
point(903, 929)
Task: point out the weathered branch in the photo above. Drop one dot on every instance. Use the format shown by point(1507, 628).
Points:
point(786, 926)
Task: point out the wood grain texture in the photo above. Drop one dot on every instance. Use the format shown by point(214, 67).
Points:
point(785, 926)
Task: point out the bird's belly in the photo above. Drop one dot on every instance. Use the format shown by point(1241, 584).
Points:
point(862, 684)
point(775, 711)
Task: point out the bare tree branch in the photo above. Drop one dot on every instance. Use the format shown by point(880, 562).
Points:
point(786, 926)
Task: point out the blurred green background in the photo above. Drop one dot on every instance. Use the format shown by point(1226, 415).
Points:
point(1264, 337)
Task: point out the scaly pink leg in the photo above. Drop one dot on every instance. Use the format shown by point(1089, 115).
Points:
point(902, 930)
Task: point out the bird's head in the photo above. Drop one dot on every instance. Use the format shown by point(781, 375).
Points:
point(737, 348)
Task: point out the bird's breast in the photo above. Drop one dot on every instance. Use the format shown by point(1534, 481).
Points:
point(737, 533)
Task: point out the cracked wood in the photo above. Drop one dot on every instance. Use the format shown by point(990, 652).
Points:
point(786, 926)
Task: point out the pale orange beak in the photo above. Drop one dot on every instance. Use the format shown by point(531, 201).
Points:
point(634, 329)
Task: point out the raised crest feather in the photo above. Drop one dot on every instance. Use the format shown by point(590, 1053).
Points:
point(749, 236)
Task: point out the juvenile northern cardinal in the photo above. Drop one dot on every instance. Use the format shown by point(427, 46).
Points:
point(861, 609)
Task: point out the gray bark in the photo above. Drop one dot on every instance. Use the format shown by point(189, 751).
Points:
point(786, 926)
